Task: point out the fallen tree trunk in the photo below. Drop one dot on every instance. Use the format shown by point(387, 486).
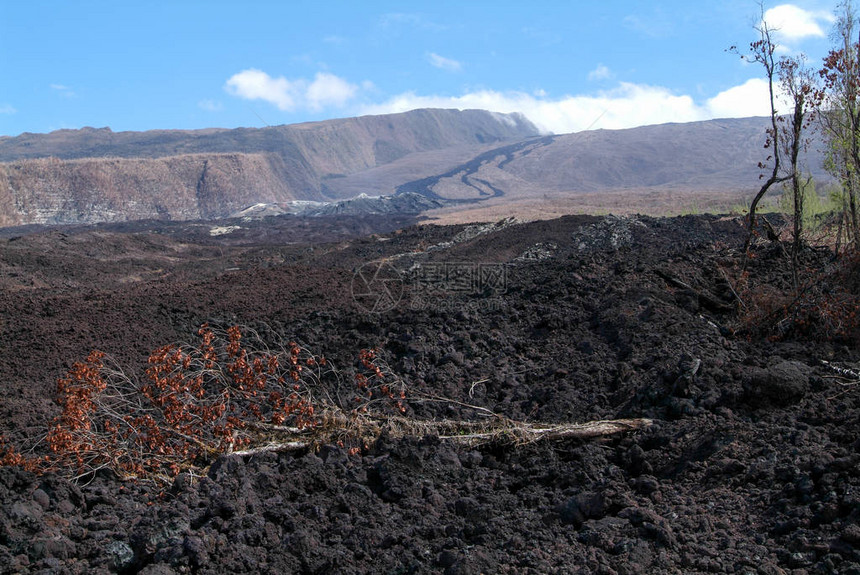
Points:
point(473, 433)
point(535, 432)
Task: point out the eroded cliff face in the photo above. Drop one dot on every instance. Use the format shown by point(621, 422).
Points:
point(8, 214)
point(192, 186)
point(89, 175)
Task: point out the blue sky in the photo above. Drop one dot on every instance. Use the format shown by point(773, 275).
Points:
point(568, 66)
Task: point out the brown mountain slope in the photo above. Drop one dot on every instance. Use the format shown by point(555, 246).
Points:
point(92, 175)
point(716, 154)
point(484, 165)
point(333, 147)
point(706, 164)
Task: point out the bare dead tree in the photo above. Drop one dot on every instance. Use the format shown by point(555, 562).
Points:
point(798, 83)
point(762, 52)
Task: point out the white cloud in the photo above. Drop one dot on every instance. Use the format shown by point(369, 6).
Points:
point(443, 63)
point(749, 99)
point(600, 73)
point(253, 84)
point(210, 105)
point(626, 106)
point(7, 109)
point(329, 90)
point(288, 95)
point(63, 90)
point(790, 22)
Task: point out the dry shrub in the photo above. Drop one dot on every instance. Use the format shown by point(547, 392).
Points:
point(197, 401)
point(229, 394)
point(829, 307)
point(826, 307)
point(761, 305)
point(10, 456)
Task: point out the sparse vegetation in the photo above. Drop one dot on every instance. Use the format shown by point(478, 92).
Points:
point(195, 402)
point(840, 116)
point(821, 300)
point(825, 307)
point(231, 393)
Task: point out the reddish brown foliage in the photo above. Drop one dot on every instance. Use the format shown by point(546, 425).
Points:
point(193, 402)
point(825, 308)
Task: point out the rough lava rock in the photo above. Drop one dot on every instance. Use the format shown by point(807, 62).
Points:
point(781, 383)
point(752, 464)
